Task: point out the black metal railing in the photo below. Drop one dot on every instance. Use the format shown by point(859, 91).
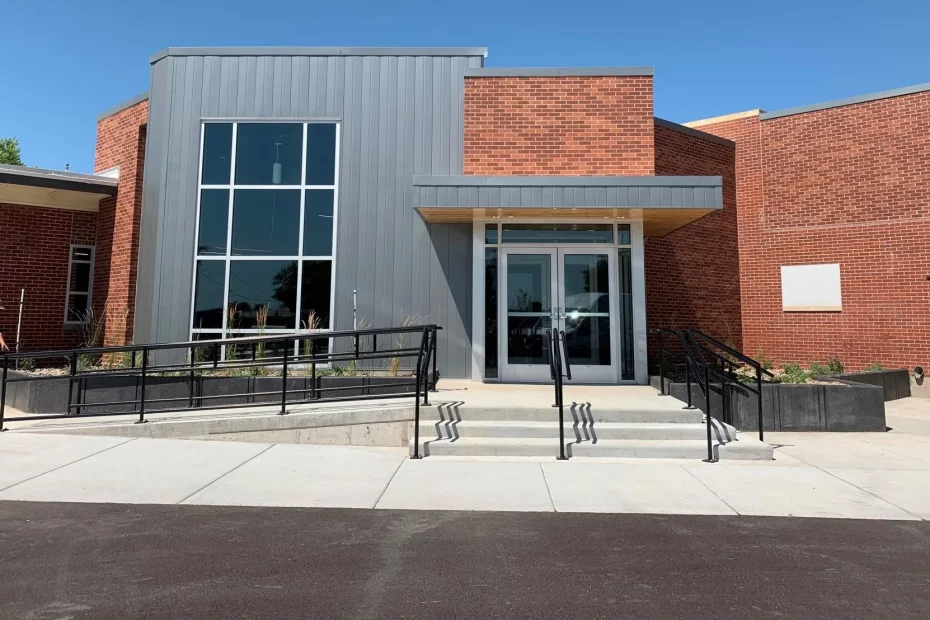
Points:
point(706, 357)
point(293, 354)
point(556, 368)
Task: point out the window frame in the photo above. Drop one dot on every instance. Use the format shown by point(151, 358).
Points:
point(90, 280)
point(228, 257)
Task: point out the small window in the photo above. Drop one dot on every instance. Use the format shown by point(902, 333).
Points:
point(80, 284)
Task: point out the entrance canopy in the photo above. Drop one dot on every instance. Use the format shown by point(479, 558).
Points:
point(54, 188)
point(662, 203)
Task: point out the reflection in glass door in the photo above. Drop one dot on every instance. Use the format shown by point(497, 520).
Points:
point(585, 286)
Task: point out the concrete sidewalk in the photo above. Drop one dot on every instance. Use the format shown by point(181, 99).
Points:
point(864, 475)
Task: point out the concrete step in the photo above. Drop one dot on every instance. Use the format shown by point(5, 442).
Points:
point(695, 449)
point(573, 432)
point(664, 411)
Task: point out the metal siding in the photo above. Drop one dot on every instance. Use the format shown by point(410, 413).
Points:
point(152, 190)
point(401, 117)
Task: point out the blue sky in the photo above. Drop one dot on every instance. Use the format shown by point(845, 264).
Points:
point(64, 62)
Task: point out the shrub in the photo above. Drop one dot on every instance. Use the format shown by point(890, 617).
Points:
point(873, 367)
point(835, 365)
point(793, 373)
point(819, 369)
point(764, 360)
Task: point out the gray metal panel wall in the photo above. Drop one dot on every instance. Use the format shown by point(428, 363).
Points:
point(401, 116)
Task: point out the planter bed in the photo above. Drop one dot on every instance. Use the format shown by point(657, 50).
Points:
point(895, 383)
point(51, 395)
point(842, 406)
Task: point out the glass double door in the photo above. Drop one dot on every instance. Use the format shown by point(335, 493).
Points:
point(573, 289)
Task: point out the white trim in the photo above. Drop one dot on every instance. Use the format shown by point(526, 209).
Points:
point(190, 316)
point(300, 229)
point(229, 235)
point(109, 173)
point(638, 273)
point(332, 267)
point(90, 280)
point(478, 319)
point(280, 186)
point(318, 120)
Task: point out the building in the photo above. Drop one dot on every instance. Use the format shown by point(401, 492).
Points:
point(274, 189)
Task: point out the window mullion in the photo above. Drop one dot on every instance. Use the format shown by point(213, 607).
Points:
point(229, 225)
point(300, 232)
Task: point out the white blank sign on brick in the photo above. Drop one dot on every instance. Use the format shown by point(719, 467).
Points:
point(811, 288)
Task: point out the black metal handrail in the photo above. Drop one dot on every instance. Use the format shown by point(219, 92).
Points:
point(556, 371)
point(698, 366)
point(207, 357)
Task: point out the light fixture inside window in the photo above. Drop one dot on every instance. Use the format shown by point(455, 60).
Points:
point(276, 166)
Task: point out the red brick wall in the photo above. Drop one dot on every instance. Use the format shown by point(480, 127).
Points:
point(847, 185)
point(35, 257)
point(120, 142)
point(559, 126)
point(692, 274)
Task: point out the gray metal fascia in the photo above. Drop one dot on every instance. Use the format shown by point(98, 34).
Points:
point(319, 51)
point(122, 106)
point(836, 103)
point(560, 181)
point(559, 71)
point(661, 122)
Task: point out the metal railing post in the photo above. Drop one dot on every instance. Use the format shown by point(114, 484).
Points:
point(759, 396)
point(284, 382)
point(3, 392)
point(559, 395)
point(145, 365)
point(313, 392)
point(688, 382)
point(429, 351)
point(71, 372)
point(416, 401)
point(661, 365)
point(435, 374)
point(710, 449)
point(190, 398)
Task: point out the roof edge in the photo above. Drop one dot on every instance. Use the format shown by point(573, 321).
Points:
point(58, 179)
point(837, 103)
point(713, 120)
point(123, 106)
point(559, 71)
point(319, 51)
point(557, 181)
point(661, 122)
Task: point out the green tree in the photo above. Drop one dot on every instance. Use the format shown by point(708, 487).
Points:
point(9, 152)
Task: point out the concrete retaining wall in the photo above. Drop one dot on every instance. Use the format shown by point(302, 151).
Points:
point(895, 383)
point(849, 406)
point(51, 395)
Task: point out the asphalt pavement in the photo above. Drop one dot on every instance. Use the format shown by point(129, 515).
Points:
point(64, 560)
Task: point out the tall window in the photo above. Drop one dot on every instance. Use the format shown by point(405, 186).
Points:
point(265, 228)
point(80, 284)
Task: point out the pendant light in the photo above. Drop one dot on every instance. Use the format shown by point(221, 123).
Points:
point(276, 167)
